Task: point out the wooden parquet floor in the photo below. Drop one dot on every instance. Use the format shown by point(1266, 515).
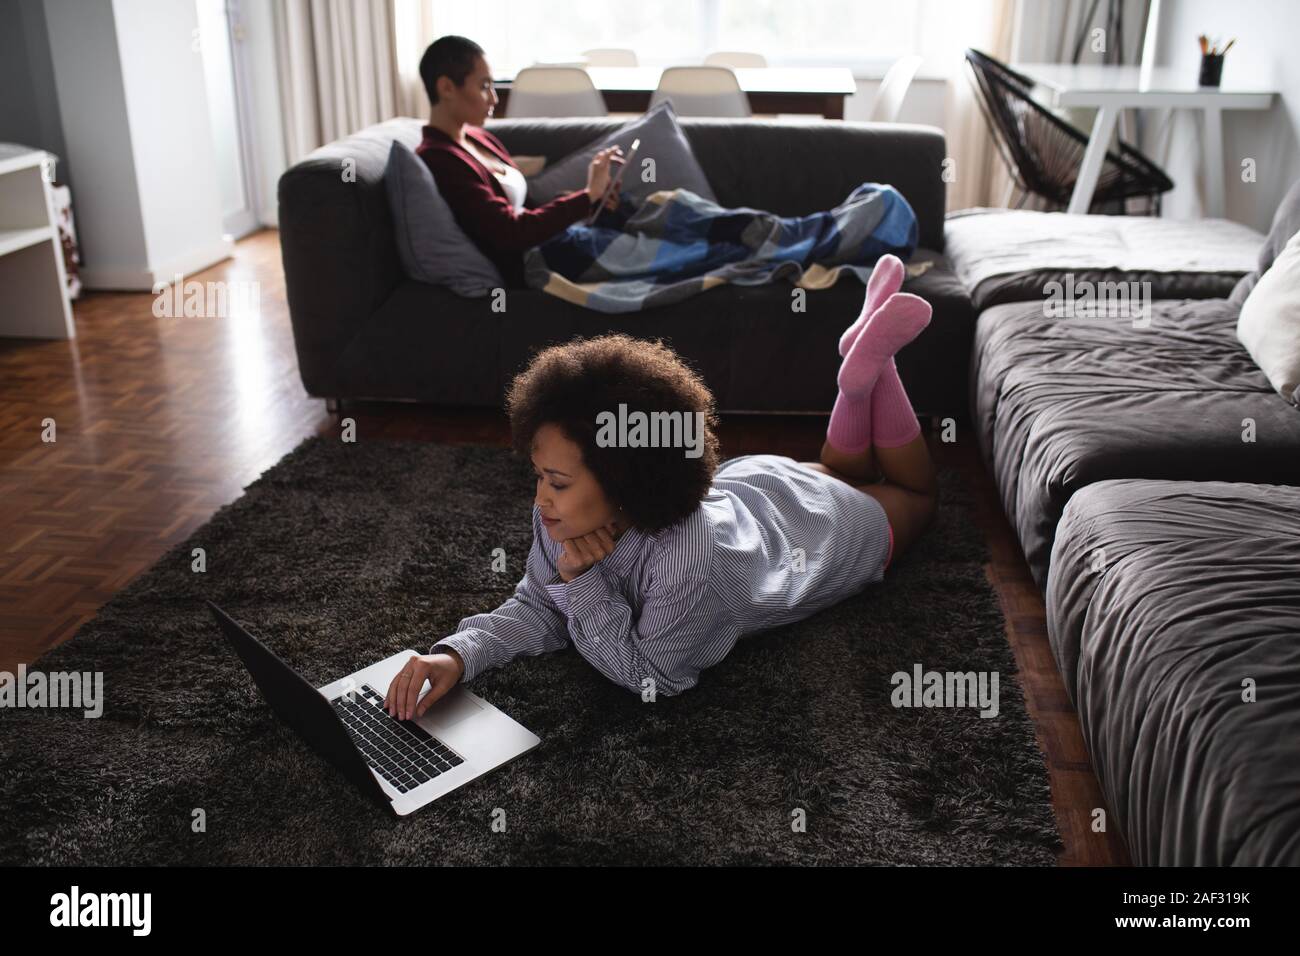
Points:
point(159, 422)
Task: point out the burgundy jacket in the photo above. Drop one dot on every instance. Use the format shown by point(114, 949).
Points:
point(481, 206)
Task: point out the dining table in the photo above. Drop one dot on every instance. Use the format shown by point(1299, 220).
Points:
point(776, 89)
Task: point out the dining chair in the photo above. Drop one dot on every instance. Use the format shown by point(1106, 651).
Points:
point(610, 56)
point(893, 89)
point(702, 91)
point(736, 59)
point(554, 91)
point(1044, 153)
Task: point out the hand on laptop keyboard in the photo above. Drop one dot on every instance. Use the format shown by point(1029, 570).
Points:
point(442, 671)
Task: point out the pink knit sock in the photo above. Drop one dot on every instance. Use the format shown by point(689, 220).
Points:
point(850, 427)
point(893, 422)
point(886, 279)
point(898, 321)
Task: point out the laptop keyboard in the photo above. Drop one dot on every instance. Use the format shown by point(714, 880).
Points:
point(403, 753)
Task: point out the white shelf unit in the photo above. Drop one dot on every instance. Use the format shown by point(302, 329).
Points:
point(33, 285)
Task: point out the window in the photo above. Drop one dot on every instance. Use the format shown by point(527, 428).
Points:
point(865, 35)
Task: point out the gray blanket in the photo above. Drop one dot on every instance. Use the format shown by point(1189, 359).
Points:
point(1061, 403)
point(1003, 255)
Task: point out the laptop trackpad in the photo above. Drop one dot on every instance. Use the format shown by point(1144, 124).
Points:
point(452, 709)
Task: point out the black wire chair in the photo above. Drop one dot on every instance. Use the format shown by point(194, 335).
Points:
point(1044, 153)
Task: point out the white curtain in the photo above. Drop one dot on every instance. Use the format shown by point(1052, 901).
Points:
point(978, 175)
point(1049, 31)
point(414, 21)
point(337, 69)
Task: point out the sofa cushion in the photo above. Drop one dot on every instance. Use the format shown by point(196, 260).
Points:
point(757, 354)
point(752, 348)
point(1163, 597)
point(432, 246)
point(1061, 403)
point(1269, 326)
point(1004, 255)
point(426, 343)
point(662, 140)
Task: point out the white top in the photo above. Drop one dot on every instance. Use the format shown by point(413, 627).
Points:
point(516, 187)
point(512, 180)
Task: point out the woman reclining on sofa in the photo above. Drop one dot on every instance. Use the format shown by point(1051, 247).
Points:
point(684, 244)
point(474, 171)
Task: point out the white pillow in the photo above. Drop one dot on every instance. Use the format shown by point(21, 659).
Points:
point(1269, 324)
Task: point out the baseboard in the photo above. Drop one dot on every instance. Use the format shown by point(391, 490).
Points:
point(141, 279)
point(116, 278)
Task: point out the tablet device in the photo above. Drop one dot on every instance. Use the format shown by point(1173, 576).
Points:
point(615, 181)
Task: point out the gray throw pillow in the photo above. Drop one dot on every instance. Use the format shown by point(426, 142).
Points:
point(1286, 223)
point(662, 140)
point(432, 246)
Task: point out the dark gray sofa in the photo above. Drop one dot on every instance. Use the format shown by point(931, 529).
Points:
point(1059, 404)
point(363, 330)
point(1169, 552)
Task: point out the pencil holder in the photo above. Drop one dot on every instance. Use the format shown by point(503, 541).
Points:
point(1211, 69)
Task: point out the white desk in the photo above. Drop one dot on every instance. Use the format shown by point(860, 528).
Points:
point(1114, 88)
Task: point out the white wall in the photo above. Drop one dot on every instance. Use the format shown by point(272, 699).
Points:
point(134, 111)
point(92, 103)
point(167, 107)
point(1265, 55)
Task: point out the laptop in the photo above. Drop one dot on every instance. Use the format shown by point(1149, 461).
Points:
point(400, 764)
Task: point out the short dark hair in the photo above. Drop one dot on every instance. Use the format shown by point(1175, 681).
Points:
point(569, 385)
point(451, 56)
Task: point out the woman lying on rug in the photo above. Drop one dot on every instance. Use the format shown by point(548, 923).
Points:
point(650, 558)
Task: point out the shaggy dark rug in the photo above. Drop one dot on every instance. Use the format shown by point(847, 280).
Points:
point(342, 554)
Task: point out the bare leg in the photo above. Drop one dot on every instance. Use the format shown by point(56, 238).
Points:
point(861, 466)
point(908, 490)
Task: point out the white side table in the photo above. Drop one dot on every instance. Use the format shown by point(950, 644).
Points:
point(33, 285)
point(1114, 88)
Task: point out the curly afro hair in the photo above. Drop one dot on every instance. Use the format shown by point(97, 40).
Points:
point(569, 385)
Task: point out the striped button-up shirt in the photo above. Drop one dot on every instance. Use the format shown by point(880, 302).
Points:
point(771, 543)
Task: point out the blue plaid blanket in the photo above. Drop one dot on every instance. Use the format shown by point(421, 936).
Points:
point(674, 244)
